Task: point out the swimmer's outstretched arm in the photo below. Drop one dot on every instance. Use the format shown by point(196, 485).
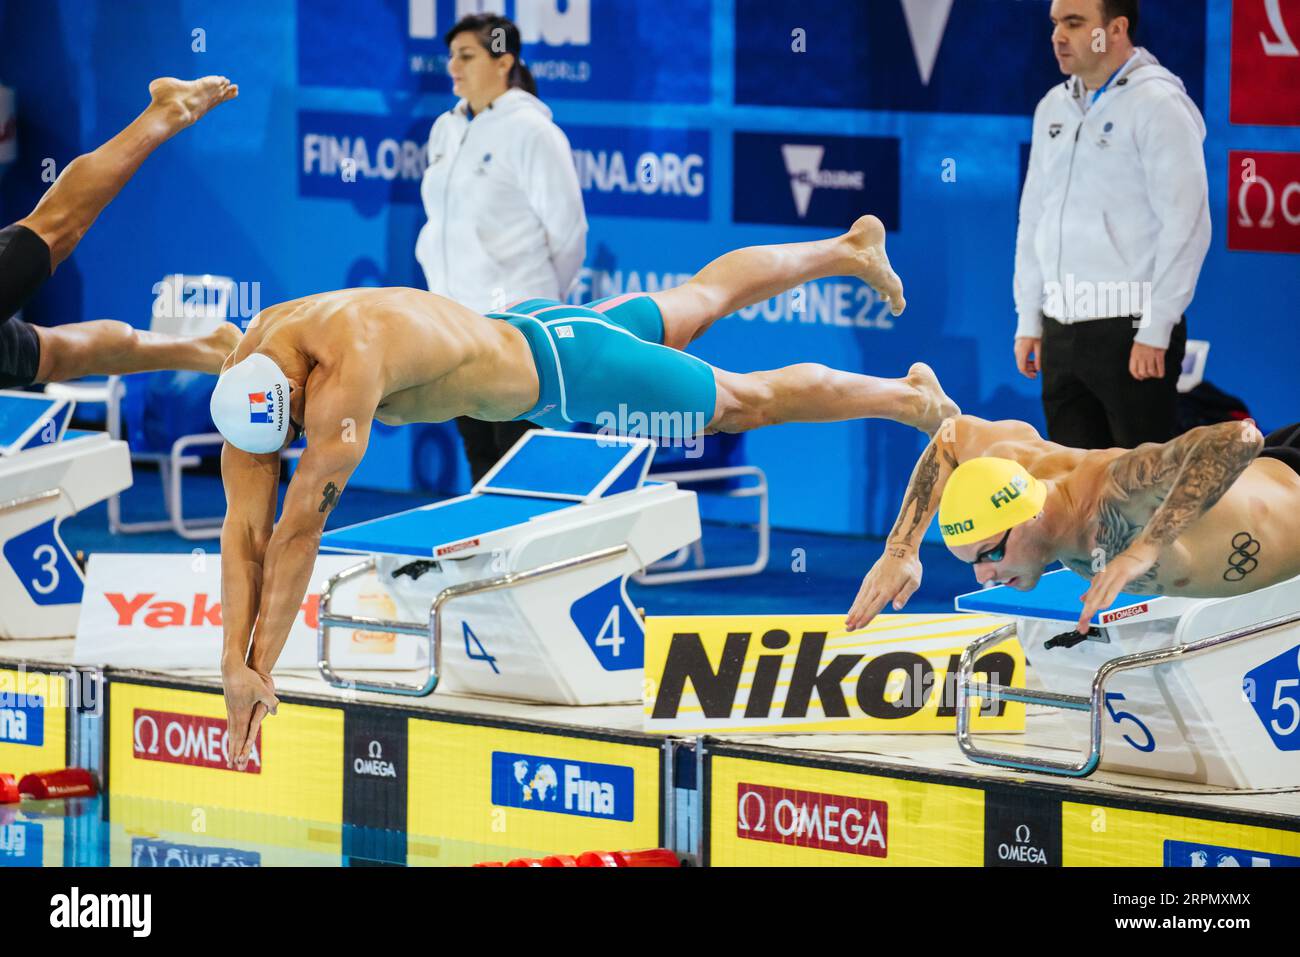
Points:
point(252, 484)
point(337, 424)
point(897, 573)
point(1188, 475)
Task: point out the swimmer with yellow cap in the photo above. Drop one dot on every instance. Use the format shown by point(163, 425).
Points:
point(1214, 512)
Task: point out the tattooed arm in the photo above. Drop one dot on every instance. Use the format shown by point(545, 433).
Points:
point(897, 574)
point(1182, 479)
point(337, 425)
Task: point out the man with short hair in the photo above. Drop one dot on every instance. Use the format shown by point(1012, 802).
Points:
point(1114, 227)
point(1212, 513)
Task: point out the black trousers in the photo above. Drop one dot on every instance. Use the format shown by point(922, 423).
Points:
point(486, 442)
point(1089, 397)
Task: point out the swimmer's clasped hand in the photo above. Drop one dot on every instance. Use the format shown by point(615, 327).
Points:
point(1130, 564)
point(250, 697)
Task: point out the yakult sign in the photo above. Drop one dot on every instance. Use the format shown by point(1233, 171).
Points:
point(827, 822)
point(164, 611)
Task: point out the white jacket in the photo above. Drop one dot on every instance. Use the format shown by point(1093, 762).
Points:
point(505, 210)
point(1116, 193)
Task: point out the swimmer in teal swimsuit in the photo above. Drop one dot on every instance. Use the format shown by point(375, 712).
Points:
point(329, 365)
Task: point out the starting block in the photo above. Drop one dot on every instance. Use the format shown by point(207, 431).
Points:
point(47, 474)
point(1205, 690)
point(521, 586)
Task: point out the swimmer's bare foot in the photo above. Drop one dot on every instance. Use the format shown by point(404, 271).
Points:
point(867, 260)
point(934, 405)
point(218, 344)
point(181, 103)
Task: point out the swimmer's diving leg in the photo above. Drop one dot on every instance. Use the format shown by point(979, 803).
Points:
point(90, 182)
point(110, 347)
point(811, 392)
point(747, 276)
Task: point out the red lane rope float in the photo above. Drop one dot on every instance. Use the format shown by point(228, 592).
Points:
point(656, 857)
point(43, 785)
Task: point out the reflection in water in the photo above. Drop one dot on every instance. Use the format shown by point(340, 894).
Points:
point(149, 833)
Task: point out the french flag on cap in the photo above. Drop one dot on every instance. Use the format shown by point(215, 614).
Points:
point(259, 407)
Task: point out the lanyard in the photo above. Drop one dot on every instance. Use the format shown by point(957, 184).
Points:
point(1102, 89)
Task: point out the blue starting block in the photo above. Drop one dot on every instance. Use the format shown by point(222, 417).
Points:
point(1205, 690)
point(552, 532)
point(1058, 597)
point(47, 474)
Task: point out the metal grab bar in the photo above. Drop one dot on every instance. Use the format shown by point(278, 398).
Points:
point(24, 500)
point(433, 629)
point(1093, 703)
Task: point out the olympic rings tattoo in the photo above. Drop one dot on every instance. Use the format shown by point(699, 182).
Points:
point(1242, 561)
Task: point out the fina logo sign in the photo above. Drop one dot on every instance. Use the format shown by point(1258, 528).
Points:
point(539, 21)
point(804, 164)
point(557, 785)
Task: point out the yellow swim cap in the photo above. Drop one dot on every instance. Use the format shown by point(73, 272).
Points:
point(985, 496)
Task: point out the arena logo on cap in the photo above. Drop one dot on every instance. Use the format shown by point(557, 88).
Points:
point(826, 822)
point(556, 785)
point(958, 527)
point(196, 740)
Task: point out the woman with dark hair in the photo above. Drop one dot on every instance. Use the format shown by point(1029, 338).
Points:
point(506, 221)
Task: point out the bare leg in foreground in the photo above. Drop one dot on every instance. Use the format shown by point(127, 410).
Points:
point(807, 392)
point(67, 210)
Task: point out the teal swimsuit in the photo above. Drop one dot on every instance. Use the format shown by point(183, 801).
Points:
point(604, 363)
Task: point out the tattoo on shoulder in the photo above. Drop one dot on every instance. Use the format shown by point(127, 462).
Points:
point(1244, 557)
point(1186, 476)
point(329, 496)
point(1116, 532)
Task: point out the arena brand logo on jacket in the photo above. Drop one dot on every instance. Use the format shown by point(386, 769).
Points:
point(561, 786)
point(196, 740)
point(796, 180)
point(1264, 201)
point(827, 822)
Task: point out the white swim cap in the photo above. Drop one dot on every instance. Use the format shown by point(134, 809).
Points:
point(250, 405)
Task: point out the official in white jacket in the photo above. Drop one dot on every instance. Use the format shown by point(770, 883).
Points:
point(505, 216)
point(1114, 227)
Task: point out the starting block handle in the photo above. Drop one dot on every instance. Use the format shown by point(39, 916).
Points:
point(23, 501)
point(431, 629)
point(1093, 703)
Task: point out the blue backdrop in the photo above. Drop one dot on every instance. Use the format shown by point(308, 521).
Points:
point(921, 118)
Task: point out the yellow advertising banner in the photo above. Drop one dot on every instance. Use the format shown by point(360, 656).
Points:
point(171, 744)
point(1094, 835)
point(711, 673)
point(497, 788)
point(34, 711)
point(766, 814)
